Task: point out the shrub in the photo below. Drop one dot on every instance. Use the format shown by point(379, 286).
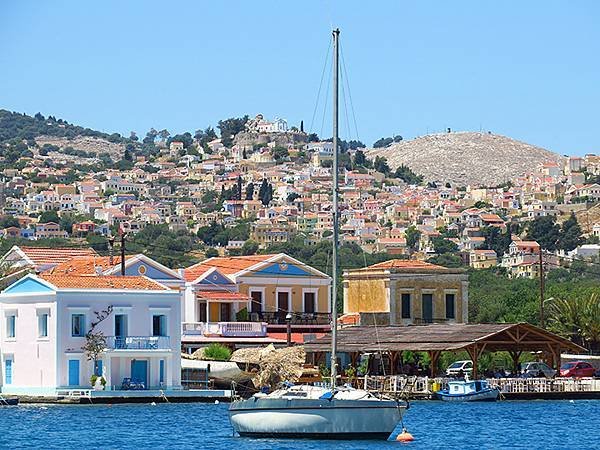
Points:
point(217, 352)
point(93, 379)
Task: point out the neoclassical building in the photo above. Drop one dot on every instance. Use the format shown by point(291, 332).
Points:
point(405, 292)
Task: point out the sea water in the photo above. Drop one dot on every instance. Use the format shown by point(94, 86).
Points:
point(435, 425)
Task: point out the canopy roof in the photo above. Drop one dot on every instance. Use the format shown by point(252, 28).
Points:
point(444, 337)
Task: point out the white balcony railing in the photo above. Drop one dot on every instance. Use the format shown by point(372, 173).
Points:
point(225, 329)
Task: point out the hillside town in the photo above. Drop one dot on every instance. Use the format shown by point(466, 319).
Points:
point(277, 182)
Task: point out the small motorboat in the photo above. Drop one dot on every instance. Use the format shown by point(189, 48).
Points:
point(10, 401)
point(469, 391)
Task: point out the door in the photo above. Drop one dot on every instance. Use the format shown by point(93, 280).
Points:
point(225, 312)
point(139, 372)
point(8, 371)
point(202, 317)
point(120, 330)
point(282, 305)
point(74, 372)
point(427, 303)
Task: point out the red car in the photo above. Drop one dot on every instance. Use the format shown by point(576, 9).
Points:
point(577, 369)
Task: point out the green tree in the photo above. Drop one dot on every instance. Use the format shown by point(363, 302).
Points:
point(544, 231)
point(412, 237)
point(250, 247)
point(406, 174)
point(496, 240)
point(360, 160)
point(381, 165)
point(230, 127)
point(250, 191)
point(280, 153)
point(49, 216)
point(265, 193)
point(211, 252)
point(442, 245)
point(9, 221)
point(570, 236)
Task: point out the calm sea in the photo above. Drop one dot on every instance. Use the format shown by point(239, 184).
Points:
point(502, 425)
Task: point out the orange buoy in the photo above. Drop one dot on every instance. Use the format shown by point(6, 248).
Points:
point(405, 436)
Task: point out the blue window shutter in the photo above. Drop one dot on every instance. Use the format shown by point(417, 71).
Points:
point(8, 371)
point(161, 377)
point(99, 370)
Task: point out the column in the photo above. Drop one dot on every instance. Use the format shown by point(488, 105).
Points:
point(169, 372)
point(108, 372)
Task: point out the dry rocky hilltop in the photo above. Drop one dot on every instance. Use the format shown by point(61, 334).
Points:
point(466, 157)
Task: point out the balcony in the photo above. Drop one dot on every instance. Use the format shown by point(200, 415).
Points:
point(225, 329)
point(138, 342)
point(298, 318)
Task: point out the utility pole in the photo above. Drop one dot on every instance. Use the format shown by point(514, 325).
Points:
point(541, 289)
point(122, 253)
point(111, 243)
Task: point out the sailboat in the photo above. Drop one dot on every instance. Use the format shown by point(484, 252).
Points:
point(328, 412)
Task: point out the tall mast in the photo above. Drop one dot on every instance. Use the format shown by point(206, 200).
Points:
point(334, 274)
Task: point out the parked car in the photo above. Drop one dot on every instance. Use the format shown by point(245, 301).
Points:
point(535, 369)
point(456, 367)
point(577, 369)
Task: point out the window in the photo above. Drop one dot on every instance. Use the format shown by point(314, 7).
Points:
point(309, 302)
point(43, 325)
point(427, 307)
point(78, 325)
point(159, 325)
point(406, 306)
point(450, 306)
point(11, 326)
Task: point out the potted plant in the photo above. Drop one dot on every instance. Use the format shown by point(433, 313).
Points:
point(93, 380)
point(103, 383)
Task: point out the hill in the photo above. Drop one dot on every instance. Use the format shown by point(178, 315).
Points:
point(466, 157)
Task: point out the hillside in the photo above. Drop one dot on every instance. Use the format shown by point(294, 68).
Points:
point(465, 157)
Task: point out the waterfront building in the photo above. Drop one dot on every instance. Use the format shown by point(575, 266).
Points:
point(405, 292)
point(44, 324)
point(251, 296)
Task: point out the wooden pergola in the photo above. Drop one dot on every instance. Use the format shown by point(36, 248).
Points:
point(514, 338)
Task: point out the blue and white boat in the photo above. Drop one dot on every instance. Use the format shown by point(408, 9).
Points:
point(469, 391)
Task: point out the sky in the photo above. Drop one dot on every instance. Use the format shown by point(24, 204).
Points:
point(529, 70)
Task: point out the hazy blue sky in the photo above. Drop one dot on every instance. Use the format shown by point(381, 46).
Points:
point(527, 69)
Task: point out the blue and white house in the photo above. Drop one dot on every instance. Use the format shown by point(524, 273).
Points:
point(44, 321)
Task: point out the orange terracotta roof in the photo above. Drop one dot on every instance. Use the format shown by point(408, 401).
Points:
point(103, 282)
point(86, 265)
point(226, 265)
point(47, 255)
point(405, 264)
point(222, 295)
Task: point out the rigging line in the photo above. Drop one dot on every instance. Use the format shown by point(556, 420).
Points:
point(326, 102)
point(345, 71)
point(377, 329)
point(320, 86)
point(348, 131)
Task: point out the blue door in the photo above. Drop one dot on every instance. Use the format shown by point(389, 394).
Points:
point(139, 372)
point(161, 372)
point(74, 372)
point(8, 371)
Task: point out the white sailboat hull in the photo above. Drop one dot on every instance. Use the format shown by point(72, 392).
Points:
point(315, 418)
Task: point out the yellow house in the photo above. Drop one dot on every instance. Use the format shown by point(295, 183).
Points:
point(268, 287)
point(404, 292)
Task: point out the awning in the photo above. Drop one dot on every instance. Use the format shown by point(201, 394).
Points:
point(222, 296)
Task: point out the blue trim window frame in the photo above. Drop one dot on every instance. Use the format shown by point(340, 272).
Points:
point(159, 325)
point(43, 325)
point(77, 325)
point(8, 371)
point(11, 326)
